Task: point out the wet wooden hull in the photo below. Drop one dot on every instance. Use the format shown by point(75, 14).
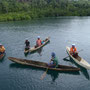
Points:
point(43, 65)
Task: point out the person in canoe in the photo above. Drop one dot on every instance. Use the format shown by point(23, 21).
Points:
point(27, 47)
point(2, 49)
point(38, 42)
point(54, 61)
point(73, 51)
point(45, 40)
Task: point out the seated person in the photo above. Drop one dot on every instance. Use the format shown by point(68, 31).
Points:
point(27, 47)
point(2, 49)
point(42, 42)
point(54, 61)
point(38, 42)
point(73, 51)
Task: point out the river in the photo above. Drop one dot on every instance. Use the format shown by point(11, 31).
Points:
point(63, 31)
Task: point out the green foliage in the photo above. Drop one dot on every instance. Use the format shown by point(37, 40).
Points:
point(13, 10)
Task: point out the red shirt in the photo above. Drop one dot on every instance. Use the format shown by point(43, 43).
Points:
point(38, 42)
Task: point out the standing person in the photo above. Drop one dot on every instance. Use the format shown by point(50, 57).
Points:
point(2, 49)
point(38, 42)
point(73, 51)
point(27, 47)
point(54, 61)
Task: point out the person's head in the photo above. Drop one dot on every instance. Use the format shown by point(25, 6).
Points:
point(38, 37)
point(26, 39)
point(73, 45)
point(53, 54)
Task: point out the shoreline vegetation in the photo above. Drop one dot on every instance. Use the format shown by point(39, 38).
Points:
point(16, 10)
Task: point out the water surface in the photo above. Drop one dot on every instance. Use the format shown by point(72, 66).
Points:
point(63, 31)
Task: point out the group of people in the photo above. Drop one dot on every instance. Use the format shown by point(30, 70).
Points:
point(39, 42)
point(2, 49)
point(54, 61)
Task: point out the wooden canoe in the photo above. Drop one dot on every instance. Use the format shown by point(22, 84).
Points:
point(43, 65)
point(80, 61)
point(32, 49)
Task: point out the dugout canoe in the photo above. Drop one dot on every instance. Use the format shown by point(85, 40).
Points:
point(32, 49)
point(43, 65)
point(80, 61)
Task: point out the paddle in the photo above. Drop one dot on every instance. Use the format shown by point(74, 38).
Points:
point(44, 74)
point(78, 52)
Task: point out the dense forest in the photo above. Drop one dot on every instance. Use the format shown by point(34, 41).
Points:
point(12, 10)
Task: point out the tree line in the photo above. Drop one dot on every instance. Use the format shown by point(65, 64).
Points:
point(12, 10)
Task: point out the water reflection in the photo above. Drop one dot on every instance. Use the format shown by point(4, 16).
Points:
point(38, 51)
point(54, 74)
point(1, 60)
point(83, 70)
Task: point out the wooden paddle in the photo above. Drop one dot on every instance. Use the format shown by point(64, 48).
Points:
point(44, 74)
point(78, 52)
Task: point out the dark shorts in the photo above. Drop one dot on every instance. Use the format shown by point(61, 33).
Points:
point(51, 65)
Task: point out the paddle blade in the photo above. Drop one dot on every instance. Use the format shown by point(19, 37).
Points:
point(44, 74)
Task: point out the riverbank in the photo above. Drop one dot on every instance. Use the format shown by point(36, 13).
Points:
point(18, 16)
point(17, 10)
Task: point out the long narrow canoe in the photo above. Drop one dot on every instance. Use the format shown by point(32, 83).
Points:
point(42, 65)
point(80, 61)
point(32, 49)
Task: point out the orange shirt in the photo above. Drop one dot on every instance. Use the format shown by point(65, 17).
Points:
point(73, 50)
point(2, 49)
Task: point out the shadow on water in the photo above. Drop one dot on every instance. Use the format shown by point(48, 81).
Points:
point(2, 60)
point(54, 74)
point(38, 51)
point(83, 70)
point(26, 54)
